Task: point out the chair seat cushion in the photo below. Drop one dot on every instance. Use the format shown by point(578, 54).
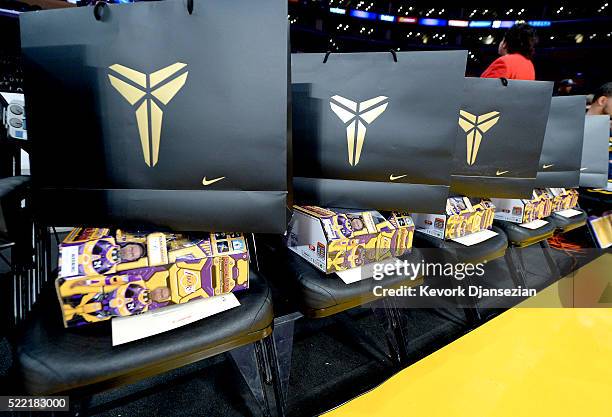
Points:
point(52, 359)
point(565, 224)
point(442, 250)
point(521, 236)
point(595, 199)
point(318, 294)
point(11, 184)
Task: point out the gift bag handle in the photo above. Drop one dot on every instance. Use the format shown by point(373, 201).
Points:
point(328, 53)
point(504, 81)
point(98, 8)
point(190, 6)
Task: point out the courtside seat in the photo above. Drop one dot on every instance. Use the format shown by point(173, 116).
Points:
point(305, 291)
point(320, 295)
point(448, 250)
point(595, 199)
point(565, 224)
point(521, 237)
point(11, 184)
point(51, 359)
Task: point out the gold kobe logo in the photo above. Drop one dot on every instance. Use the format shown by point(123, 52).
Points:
point(356, 117)
point(149, 93)
point(475, 127)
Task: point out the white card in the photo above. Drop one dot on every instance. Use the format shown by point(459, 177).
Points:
point(131, 328)
point(69, 261)
point(536, 224)
point(475, 238)
point(361, 272)
point(568, 213)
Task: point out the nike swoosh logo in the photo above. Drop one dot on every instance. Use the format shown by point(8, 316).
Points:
point(208, 182)
point(583, 169)
point(501, 172)
point(393, 177)
point(547, 166)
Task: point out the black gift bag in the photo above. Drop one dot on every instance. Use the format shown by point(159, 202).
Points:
point(375, 130)
point(160, 114)
point(562, 149)
point(499, 137)
point(595, 156)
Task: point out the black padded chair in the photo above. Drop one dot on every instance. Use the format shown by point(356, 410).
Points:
point(564, 224)
point(317, 295)
point(522, 237)
point(81, 362)
point(594, 201)
point(448, 251)
point(321, 295)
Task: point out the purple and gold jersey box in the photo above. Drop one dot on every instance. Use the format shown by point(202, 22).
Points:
point(336, 240)
point(563, 198)
point(522, 210)
point(463, 216)
point(102, 275)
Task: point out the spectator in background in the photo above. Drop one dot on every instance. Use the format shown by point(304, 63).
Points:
point(589, 101)
point(565, 87)
point(516, 49)
point(602, 105)
point(602, 100)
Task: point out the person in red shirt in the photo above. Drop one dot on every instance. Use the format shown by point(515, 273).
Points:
point(516, 50)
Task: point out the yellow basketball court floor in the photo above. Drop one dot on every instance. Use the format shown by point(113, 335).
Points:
point(529, 361)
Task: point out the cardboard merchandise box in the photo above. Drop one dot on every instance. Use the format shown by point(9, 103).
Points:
point(336, 240)
point(102, 276)
point(563, 198)
point(463, 216)
point(524, 211)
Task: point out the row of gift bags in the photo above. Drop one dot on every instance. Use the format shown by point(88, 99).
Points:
point(196, 117)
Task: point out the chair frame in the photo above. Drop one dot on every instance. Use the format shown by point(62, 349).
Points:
point(257, 346)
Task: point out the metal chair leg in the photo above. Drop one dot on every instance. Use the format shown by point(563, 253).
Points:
point(257, 364)
point(516, 271)
point(273, 364)
point(281, 354)
point(265, 375)
point(398, 329)
point(390, 324)
point(552, 266)
point(250, 362)
point(472, 313)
